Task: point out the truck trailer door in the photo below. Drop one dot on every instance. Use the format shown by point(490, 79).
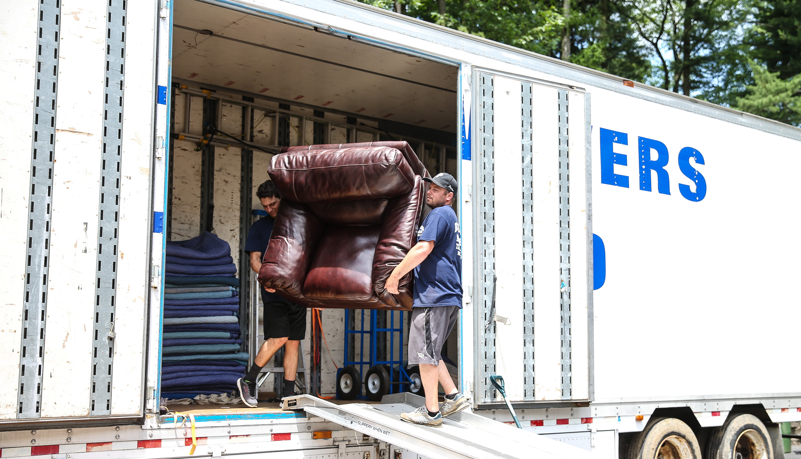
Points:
point(76, 140)
point(533, 234)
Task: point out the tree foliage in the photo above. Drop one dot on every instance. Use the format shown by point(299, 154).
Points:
point(737, 53)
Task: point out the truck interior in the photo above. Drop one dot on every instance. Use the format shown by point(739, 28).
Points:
point(246, 84)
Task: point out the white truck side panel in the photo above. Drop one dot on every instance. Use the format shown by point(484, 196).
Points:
point(700, 297)
point(132, 270)
point(509, 234)
point(545, 170)
point(18, 20)
point(579, 257)
point(76, 187)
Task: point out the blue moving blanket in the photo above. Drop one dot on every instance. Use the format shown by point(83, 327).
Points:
point(239, 357)
point(202, 320)
point(221, 288)
point(199, 295)
point(186, 313)
point(207, 246)
point(192, 302)
point(174, 280)
point(233, 328)
point(204, 277)
point(201, 349)
point(186, 374)
point(194, 261)
point(202, 335)
point(201, 270)
point(206, 365)
point(191, 341)
point(228, 308)
point(218, 381)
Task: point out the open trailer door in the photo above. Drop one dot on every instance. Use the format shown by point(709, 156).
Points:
point(532, 145)
point(77, 137)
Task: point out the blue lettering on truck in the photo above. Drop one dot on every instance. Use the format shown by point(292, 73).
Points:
point(647, 165)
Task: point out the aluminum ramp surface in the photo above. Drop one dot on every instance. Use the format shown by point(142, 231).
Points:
point(463, 435)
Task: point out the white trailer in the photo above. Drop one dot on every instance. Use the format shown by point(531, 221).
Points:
point(644, 293)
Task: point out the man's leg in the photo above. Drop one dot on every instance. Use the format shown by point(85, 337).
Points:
point(429, 374)
point(290, 366)
point(445, 379)
point(268, 350)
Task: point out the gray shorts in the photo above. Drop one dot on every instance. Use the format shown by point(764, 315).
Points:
point(430, 328)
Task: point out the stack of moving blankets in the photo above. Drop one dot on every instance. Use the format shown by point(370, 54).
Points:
point(201, 339)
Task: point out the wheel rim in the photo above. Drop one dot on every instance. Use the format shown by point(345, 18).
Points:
point(674, 447)
point(346, 383)
point(416, 383)
point(373, 383)
point(750, 445)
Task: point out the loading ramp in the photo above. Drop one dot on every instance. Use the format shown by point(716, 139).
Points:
point(463, 435)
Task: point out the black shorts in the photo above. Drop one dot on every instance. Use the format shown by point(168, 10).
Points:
point(284, 319)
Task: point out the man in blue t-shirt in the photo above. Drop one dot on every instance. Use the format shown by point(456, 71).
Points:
point(437, 263)
point(284, 321)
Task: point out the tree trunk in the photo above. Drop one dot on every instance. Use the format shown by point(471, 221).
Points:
point(604, 37)
point(442, 8)
point(566, 32)
point(687, 46)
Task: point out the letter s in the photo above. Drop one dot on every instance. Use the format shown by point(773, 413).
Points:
point(691, 173)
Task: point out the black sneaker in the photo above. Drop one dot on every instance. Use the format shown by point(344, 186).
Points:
point(247, 391)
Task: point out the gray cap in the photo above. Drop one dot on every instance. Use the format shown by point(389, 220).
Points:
point(444, 180)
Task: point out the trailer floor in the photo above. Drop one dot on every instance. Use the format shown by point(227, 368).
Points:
point(263, 408)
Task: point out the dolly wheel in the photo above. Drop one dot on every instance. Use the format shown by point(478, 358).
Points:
point(416, 385)
point(349, 383)
point(376, 383)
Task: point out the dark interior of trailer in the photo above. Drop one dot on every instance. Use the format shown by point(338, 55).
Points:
point(245, 85)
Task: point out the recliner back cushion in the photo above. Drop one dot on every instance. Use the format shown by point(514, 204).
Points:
point(342, 175)
point(342, 266)
point(355, 213)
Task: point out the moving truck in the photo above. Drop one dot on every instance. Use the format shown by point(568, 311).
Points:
point(625, 268)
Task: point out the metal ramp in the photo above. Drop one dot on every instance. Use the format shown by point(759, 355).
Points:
point(463, 435)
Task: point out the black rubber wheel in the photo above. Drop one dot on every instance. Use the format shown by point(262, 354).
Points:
point(416, 386)
point(742, 436)
point(665, 438)
point(376, 383)
point(349, 383)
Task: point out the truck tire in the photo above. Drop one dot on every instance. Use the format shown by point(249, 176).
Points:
point(742, 436)
point(349, 383)
point(376, 383)
point(665, 438)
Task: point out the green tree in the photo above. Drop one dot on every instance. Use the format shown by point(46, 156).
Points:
point(771, 97)
point(686, 36)
point(603, 39)
point(777, 39)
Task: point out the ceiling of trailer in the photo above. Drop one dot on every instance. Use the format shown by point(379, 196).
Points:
point(261, 56)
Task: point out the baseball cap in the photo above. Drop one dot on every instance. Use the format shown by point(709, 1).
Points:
point(444, 180)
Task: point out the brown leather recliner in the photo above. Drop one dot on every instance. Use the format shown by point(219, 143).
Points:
point(348, 216)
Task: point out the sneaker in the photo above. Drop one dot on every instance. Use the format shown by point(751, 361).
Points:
point(247, 391)
point(420, 416)
point(449, 407)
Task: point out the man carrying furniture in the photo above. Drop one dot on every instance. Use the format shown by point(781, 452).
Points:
point(437, 263)
point(284, 322)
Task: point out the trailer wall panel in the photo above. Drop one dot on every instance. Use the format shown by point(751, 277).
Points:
point(76, 187)
point(547, 358)
point(134, 223)
point(509, 235)
point(18, 77)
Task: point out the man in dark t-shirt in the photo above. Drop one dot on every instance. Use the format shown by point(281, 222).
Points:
point(437, 263)
point(284, 321)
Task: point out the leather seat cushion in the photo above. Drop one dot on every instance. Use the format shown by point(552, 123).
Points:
point(341, 270)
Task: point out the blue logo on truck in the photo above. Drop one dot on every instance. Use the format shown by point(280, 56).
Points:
point(695, 192)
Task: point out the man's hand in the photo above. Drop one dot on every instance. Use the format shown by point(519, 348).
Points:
point(271, 290)
point(392, 282)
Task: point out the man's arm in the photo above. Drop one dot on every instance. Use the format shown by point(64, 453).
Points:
point(255, 265)
point(415, 256)
point(255, 261)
